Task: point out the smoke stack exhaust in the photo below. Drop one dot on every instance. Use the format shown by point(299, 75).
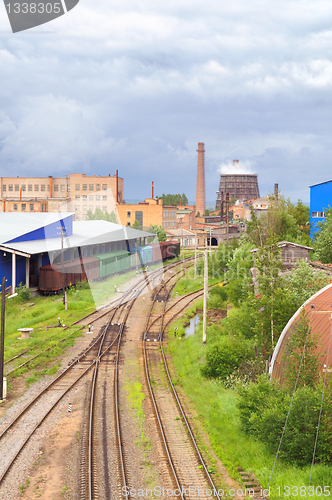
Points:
point(152, 189)
point(276, 189)
point(117, 187)
point(200, 186)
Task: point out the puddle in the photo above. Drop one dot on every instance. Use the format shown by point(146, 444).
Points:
point(191, 328)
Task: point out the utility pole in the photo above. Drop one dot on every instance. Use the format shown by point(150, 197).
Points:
point(195, 254)
point(184, 267)
point(227, 216)
point(205, 294)
point(2, 343)
point(62, 234)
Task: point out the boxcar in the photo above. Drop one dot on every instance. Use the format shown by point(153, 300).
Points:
point(50, 276)
point(113, 262)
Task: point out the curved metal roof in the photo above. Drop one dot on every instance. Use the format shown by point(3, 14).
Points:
point(321, 319)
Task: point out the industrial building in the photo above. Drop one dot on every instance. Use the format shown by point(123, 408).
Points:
point(238, 186)
point(320, 200)
point(149, 212)
point(30, 241)
point(76, 192)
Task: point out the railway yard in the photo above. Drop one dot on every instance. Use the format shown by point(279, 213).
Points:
point(110, 423)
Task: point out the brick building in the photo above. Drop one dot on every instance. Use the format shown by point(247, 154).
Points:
point(186, 217)
point(76, 192)
point(148, 212)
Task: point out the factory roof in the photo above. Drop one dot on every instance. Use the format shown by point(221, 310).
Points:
point(85, 233)
point(319, 183)
point(14, 225)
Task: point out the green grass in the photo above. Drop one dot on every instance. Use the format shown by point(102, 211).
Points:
point(217, 410)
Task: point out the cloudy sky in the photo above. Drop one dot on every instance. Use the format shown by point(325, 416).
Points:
point(135, 85)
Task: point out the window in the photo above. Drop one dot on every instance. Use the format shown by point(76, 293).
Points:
point(128, 214)
point(15, 207)
point(77, 187)
point(85, 187)
point(23, 207)
point(164, 214)
point(97, 197)
point(91, 207)
point(91, 188)
point(104, 208)
point(91, 197)
point(97, 207)
point(48, 187)
point(36, 187)
point(4, 187)
point(32, 207)
point(23, 187)
point(63, 188)
point(77, 208)
point(318, 214)
point(128, 223)
point(84, 208)
point(139, 217)
point(77, 197)
point(104, 187)
point(56, 188)
point(85, 198)
point(17, 187)
point(29, 187)
point(43, 187)
point(97, 187)
point(10, 187)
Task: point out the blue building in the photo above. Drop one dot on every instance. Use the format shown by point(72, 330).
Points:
point(320, 201)
point(29, 241)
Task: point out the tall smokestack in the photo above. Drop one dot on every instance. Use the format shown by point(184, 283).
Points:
point(117, 187)
point(276, 191)
point(200, 186)
point(152, 190)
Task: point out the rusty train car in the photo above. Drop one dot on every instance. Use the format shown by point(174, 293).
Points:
point(103, 265)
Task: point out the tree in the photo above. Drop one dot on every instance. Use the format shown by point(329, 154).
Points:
point(302, 339)
point(198, 214)
point(100, 215)
point(136, 225)
point(282, 220)
point(323, 238)
point(159, 231)
point(175, 199)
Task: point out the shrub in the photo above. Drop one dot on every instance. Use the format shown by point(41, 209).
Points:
point(24, 293)
point(223, 357)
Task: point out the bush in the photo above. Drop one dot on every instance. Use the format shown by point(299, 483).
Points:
point(263, 411)
point(223, 357)
point(24, 293)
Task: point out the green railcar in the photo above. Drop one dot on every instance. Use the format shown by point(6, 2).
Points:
point(113, 262)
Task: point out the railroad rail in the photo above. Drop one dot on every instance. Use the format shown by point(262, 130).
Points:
point(168, 409)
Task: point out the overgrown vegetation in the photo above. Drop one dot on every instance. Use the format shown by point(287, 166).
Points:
point(243, 411)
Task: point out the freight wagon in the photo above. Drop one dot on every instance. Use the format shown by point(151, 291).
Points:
point(103, 265)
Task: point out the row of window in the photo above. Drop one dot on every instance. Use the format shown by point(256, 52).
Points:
point(91, 207)
point(92, 187)
point(169, 223)
point(91, 197)
point(35, 187)
point(16, 187)
point(24, 207)
point(317, 214)
point(167, 214)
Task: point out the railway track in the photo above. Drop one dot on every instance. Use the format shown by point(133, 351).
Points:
point(99, 354)
point(186, 463)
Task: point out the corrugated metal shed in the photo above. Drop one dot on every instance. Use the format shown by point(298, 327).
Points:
point(321, 320)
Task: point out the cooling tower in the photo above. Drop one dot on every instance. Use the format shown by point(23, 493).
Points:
point(239, 186)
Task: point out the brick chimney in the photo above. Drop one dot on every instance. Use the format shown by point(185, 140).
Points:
point(200, 186)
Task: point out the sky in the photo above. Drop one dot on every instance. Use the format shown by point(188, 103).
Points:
point(135, 85)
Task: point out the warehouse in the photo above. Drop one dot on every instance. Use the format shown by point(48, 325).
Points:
point(30, 241)
point(320, 201)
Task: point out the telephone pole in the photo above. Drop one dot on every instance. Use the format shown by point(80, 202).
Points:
point(62, 234)
point(205, 294)
point(195, 253)
point(2, 342)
